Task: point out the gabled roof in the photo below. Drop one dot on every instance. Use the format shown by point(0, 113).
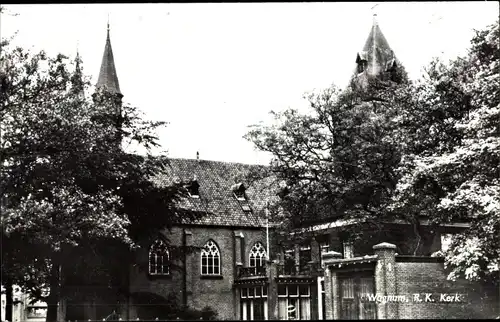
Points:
point(216, 196)
point(108, 78)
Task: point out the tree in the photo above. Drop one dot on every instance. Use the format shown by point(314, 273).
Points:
point(401, 151)
point(452, 155)
point(338, 161)
point(67, 187)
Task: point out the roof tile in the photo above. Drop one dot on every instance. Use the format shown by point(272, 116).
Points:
point(216, 198)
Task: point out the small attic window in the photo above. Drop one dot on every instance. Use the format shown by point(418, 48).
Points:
point(391, 65)
point(361, 62)
point(362, 66)
point(193, 189)
point(246, 208)
point(239, 191)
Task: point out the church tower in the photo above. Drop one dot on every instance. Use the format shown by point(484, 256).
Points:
point(377, 60)
point(108, 78)
point(78, 86)
point(108, 85)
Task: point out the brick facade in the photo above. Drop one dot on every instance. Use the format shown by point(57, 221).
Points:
point(414, 287)
point(187, 282)
point(476, 301)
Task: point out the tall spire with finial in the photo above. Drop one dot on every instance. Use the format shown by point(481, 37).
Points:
point(108, 78)
point(377, 58)
point(77, 79)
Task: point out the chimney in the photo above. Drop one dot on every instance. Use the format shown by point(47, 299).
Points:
point(198, 156)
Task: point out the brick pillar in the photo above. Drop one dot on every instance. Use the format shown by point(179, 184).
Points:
point(238, 242)
point(331, 310)
point(314, 292)
point(272, 291)
point(238, 264)
point(188, 269)
point(385, 279)
point(315, 254)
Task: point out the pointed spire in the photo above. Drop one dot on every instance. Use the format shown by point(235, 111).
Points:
point(108, 78)
point(77, 80)
point(377, 58)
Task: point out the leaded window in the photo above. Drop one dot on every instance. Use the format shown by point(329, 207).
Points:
point(210, 259)
point(257, 255)
point(159, 258)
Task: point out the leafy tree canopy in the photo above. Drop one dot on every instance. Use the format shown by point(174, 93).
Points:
point(67, 187)
point(400, 150)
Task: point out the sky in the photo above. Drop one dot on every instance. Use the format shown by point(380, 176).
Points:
point(211, 70)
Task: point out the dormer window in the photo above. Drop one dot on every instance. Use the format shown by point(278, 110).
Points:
point(193, 189)
point(239, 191)
point(361, 67)
point(391, 65)
point(362, 62)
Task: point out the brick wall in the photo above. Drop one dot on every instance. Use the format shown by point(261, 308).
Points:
point(402, 278)
point(202, 291)
point(424, 277)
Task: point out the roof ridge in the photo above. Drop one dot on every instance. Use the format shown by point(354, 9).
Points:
point(215, 161)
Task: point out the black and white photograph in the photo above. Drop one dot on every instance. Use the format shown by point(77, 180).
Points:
point(249, 161)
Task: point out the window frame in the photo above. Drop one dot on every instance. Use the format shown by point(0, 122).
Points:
point(193, 189)
point(248, 304)
point(216, 255)
point(297, 298)
point(260, 259)
point(155, 247)
point(240, 195)
point(303, 250)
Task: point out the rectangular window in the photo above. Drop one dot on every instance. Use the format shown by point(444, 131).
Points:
point(254, 306)
point(304, 257)
point(289, 262)
point(348, 249)
point(293, 290)
point(294, 302)
point(323, 248)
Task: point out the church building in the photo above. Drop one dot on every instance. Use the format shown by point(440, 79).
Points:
point(237, 268)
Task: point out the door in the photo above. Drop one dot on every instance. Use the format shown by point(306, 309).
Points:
point(352, 289)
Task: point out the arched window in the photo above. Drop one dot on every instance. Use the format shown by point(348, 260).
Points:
point(159, 258)
point(210, 259)
point(257, 255)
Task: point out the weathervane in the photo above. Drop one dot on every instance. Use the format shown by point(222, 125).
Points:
point(374, 13)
